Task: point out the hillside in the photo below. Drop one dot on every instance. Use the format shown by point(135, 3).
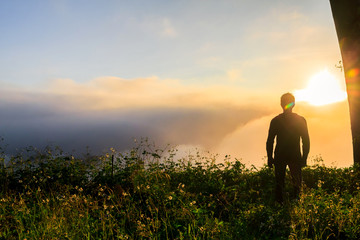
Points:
point(150, 194)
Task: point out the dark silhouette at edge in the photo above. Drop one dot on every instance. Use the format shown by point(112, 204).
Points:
point(346, 16)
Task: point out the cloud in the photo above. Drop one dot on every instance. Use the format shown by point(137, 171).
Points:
point(116, 128)
point(286, 29)
point(160, 26)
point(109, 112)
point(287, 45)
point(234, 75)
point(286, 16)
point(247, 142)
point(168, 29)
point(114, 93)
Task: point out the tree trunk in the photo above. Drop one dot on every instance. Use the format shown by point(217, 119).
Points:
point(346, 14)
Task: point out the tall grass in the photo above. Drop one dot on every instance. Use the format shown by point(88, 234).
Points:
point(148, 193)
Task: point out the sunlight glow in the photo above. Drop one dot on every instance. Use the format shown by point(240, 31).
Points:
point(322, 89)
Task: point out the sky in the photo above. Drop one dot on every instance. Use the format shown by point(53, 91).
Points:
point(198, 74)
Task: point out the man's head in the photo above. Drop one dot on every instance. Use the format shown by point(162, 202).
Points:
point(287, 101)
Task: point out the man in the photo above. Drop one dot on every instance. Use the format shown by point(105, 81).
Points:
point(288, 128)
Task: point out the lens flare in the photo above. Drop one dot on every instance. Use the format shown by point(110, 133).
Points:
point(289, 105)
point(352, 73)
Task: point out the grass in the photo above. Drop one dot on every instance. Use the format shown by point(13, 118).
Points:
point(147, 194)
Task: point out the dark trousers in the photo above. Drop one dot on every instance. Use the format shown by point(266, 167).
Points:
point(280, 170)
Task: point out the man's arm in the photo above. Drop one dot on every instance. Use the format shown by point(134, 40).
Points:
point(305, 143)
point(270, 144)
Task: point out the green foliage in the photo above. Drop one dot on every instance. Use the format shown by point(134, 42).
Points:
point(148, 193)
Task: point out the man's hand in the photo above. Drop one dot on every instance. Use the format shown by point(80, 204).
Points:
point(270, 162)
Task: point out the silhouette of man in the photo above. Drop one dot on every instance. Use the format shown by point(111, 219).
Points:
point(288, 128)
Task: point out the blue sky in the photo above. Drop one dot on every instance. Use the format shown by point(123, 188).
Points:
point(193, 41)
point(167, 70)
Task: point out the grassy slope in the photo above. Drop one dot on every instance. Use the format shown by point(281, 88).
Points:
point(148, 194)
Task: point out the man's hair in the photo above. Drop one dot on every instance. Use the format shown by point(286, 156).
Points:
point(287, 101)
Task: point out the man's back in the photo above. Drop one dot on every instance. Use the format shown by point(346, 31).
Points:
point(288, 128)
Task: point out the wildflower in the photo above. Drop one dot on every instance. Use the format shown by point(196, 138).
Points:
point(20, 181)
point(105, 206)
point(80, 189)
point(170, 198)
point(124, 237)
point(148, 187)
point(320, 183)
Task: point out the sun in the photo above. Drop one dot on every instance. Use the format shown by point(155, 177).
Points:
point(323, 88)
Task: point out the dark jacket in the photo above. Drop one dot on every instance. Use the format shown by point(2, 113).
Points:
point(288, 128)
